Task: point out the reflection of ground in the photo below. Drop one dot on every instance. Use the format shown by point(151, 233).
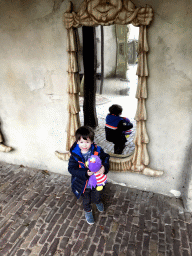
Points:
point(106, 145)
point(104, 101)
point(109, 146)
point(100, 100)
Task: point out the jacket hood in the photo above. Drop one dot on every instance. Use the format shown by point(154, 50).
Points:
point(75, 148)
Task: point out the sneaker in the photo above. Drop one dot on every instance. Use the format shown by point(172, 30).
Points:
point(89, 218)
point(100, 207)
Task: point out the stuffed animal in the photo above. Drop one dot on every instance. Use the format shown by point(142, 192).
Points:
point(128, 132)
point(96, 180)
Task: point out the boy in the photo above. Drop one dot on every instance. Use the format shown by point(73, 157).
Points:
point(117, 127)
point(81, 150)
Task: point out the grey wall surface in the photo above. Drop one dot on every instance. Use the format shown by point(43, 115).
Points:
point(169, 103)
point(33, 78)
point(110, 50)
point(33, 106)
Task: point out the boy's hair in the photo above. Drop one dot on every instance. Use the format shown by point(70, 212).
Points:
point(85, 132)
point(115, 110)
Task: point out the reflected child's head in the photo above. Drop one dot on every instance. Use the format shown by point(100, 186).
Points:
point(116, 110)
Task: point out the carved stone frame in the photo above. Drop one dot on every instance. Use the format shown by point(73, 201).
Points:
point(93, 13)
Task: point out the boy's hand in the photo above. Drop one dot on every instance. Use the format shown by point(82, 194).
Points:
point(102, 170)
point(89, 173)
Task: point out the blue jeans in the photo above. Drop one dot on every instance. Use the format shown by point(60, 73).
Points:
point(90, 196)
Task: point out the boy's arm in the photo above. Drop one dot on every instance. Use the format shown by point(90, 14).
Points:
point(105, 160)
point(73, 169)
point(125, 125)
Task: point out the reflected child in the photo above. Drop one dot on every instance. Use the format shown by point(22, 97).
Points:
point(117, 128)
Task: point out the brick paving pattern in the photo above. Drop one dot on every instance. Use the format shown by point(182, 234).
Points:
point(39, 215)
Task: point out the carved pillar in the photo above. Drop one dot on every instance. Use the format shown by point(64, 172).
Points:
point(73, 92)
point(73, 88)
point(141, 158)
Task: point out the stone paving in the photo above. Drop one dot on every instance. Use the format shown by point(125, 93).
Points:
point(109, 146)
point(39, 215)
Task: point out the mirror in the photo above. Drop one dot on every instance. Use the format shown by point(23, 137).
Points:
point(120, 12)
point(118, 64)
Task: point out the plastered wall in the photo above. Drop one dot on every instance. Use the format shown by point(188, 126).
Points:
point(33, 106)
point(169, 103)
point(33, 82)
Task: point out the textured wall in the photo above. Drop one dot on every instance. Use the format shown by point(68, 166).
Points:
point(33, 109)
point(169, 103)
point(110, 51)
point(33, 76)
point(170, 91)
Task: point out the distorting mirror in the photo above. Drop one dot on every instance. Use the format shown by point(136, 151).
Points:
point(93, 13)
point(116, 79)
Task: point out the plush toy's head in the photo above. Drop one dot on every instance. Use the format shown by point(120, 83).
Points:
point(94, 163)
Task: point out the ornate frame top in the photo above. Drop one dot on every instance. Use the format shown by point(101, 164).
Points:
point(108, 12)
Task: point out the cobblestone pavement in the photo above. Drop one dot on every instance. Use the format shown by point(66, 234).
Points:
point(39, 215)
point(109, 146)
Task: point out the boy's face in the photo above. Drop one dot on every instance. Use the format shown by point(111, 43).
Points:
point(84, 145)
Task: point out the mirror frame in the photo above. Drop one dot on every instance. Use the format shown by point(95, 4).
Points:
point(122, 12)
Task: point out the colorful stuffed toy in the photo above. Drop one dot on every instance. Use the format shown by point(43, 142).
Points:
point(128, 132)
point(96, 180)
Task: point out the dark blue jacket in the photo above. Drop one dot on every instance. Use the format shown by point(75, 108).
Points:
point(78, 170)
point(115, 128)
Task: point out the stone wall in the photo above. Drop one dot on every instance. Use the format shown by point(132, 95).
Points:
point(33, 109)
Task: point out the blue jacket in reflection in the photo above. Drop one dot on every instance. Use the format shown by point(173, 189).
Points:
point(116, 128)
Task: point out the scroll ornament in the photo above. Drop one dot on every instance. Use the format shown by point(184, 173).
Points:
point(99, 12)
point(4, 148)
